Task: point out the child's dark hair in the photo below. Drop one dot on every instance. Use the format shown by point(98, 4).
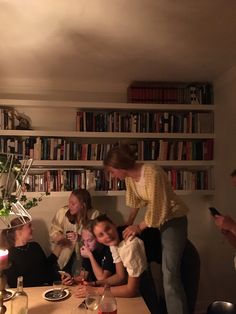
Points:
point(84, 197)
point(120, 157)
point(98, 219)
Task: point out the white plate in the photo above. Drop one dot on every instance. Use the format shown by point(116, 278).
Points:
point(9, 295)
point(48, 295)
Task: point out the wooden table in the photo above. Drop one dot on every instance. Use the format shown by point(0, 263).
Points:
point(38, 305)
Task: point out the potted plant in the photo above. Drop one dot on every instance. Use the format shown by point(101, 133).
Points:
point(12, 184)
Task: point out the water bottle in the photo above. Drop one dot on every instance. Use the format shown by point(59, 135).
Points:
point(19, 301)
point(108, 303)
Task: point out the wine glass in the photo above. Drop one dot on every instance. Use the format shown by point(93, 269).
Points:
point(79, 308)
point(81, 276)
point(92, 300)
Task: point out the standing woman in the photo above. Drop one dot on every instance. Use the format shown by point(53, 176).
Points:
point(67, 225)
point(147, 186)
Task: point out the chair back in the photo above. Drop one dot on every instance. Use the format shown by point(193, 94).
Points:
point(221, 307)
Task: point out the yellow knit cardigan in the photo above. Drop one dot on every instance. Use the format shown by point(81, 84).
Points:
point(160, 200)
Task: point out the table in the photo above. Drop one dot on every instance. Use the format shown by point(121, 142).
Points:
point(38, 305)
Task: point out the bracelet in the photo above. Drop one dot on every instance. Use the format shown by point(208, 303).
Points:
point(95, 283)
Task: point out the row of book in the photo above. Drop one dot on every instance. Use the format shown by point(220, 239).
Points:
point(145, 122)
point(7, 119)
point(62, 149)
point(175, 150)
point(170, 92)
point(67, 180)
point(191, 180)
point(44, 148)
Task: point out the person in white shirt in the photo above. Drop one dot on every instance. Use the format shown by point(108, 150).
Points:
point(129, 257)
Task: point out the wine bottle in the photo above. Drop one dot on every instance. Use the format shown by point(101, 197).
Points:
point(19, 301)
point(108, 303)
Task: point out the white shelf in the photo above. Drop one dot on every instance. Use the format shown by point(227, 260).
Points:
point(76, 164)
point(115, 193)
point(106, 105)
point(68, 110)
point(105, 135)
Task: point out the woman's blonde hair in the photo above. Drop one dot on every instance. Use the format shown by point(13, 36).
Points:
point(85, 198)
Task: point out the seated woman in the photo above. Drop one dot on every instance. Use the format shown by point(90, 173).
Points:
point(67, 225)
point(129, 257)
point(97, 259)
point(27, 258)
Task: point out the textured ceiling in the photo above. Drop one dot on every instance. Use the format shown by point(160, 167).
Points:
point(103, 45)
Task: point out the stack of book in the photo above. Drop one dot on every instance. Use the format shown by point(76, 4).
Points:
point(170, 92)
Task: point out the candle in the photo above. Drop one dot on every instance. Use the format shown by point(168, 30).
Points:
point(3, 259)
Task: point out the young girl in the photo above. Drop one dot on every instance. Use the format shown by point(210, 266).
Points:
point(27, 258)
point(147, 186)
point(127, 255)
point(67, 225)
point(97, 259)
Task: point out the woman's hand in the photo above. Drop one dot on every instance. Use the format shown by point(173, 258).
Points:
point(67, 280)
point(225, 223)
point(82, 290)
point(85, 251)
point(72, 236)
point(131, 232)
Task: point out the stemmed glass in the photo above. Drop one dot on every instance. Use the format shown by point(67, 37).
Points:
point(79, 309)
point(81, 276)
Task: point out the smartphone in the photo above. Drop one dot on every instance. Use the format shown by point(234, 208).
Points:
point(62, 272)
point(214, 211)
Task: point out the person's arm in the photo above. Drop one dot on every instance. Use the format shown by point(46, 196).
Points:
point(134, 230)
point(225, 223)
point(118, 278)
point(132, 216)
point(135, 263)
point(231, 238)
point(98, 271)
point(57, 226)
point(128, 290)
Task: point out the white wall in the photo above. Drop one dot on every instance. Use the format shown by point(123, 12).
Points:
point(217, 272)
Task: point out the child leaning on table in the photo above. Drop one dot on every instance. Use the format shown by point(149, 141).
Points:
point(96, 259)
point(129, 258)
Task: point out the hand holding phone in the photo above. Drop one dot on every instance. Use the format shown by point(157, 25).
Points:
point(214, 211)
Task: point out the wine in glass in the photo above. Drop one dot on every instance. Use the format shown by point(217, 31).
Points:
point(81, 276)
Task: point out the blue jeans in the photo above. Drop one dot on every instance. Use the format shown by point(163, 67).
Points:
point(173, 240)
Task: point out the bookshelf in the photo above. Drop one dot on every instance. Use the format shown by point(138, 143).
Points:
point(56, 120)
